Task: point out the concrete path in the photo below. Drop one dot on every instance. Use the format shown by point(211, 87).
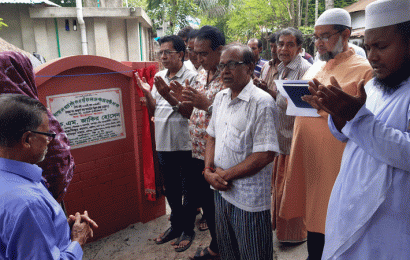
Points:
point(136, 242)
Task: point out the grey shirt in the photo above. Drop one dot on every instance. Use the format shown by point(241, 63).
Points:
point(171, 128)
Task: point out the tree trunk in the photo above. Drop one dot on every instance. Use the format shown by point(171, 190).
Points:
point(316, 9)
point(306, 13)
point(329, 4)
point(292, 11)
point(299, 11)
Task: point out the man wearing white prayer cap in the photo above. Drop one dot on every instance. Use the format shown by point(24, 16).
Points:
point(315, 154)
point(368, 214)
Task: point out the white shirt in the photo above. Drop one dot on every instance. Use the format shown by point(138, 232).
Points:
point(243, 126)
point(171, 128)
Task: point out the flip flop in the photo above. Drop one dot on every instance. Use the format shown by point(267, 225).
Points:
point(168, 235)
point(184, 237)
point(206, 255)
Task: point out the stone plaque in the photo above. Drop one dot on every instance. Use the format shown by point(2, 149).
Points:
point(89, 117)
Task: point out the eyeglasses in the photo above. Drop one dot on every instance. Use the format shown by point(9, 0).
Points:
point(166, 52)
point(50, 135)
point(323, 38)
point(230, 65)
point(190, 50)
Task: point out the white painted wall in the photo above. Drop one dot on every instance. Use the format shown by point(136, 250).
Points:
point(112, 36)
point(358, 19)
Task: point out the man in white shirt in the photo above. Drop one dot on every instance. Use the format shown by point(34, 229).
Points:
point(241, 145)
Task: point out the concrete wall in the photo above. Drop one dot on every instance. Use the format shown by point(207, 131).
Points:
point(358, 19)
point(113, 36)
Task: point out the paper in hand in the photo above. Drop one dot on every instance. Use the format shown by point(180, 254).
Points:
point(293, 91)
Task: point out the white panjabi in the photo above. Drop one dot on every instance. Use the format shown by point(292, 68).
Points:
point(387, 12)
point(335, 16)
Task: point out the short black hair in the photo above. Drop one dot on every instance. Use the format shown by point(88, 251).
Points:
point(192, 34)
point(177, 43)
point(291, 31)
point(404, 30)
point(183, 33)
point(213, 34)
point(272, 38)
point(247, 53)
point(18, 114)
point(259, 42)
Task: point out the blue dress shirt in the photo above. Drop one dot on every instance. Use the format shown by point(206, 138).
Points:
point(32, 223)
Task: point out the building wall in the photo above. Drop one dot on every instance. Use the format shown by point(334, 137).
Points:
point(112, 37)
point(358, 19)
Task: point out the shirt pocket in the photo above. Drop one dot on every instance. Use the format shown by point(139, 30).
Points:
point(235, 139)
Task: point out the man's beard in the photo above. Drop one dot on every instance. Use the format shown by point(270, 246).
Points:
point(393, 82)
point(336, 50)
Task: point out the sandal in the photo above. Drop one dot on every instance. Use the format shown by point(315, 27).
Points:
point(203, 226)
point(184, 237)
point(168, 235)
point(206, 255)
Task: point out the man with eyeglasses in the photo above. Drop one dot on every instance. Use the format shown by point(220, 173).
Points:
point(173, 143)
point(32, 223)
point(292, 67)
point(315, 154)
point(193, 57)
point(240, 147)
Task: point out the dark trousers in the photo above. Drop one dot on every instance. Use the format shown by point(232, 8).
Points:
point(315, 245)
point(205, 199)
point(176, 167)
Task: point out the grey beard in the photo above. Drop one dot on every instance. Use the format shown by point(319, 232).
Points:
point(336, 50)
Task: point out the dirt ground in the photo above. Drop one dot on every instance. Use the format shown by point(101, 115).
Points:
point(136, 242)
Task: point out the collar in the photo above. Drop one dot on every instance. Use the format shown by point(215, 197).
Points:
point(179, 73)
point(245, 93)
point(23, 169)
point(292, 65)
point(341, 57)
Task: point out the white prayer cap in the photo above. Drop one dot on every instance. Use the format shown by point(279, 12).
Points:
point(335, 16)
point(387, 12)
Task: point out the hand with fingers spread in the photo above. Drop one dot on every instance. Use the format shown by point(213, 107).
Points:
point(195, 98)
point(162, 87)
point(84, 218)
point(80, 231)
point(337, 102)
point(142, 83)
point(176, 90)
point(312, 99)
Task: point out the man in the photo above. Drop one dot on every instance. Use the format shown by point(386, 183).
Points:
point(368, 210)
point(208, 46)
point(315, 155)
point(32, 223)
point(172, 141)
point(193, 58)
point(292, 67)
point(239, 151)
point(256, 46)
point(269, 72)
point(184, 34)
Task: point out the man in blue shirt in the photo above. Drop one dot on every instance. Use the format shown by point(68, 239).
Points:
point(32, 223)
point(256, 46)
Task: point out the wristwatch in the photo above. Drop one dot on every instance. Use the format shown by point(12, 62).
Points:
point(176, 107)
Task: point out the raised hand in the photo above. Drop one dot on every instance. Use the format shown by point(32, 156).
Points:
point(176, 89)
point(162, 87)
point(145, 87)
point(195, 98)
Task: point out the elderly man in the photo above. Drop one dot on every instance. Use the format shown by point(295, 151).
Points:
point(239, 151)
point(172, 141)
point(32, 223)
point(292, 67)
point(368, 214)
point(256, 46)
point(315, 155)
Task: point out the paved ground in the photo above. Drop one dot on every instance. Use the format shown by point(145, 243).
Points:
point(136, 242)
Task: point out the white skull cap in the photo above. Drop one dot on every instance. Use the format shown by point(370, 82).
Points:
point(335, 16)
point(387, 12)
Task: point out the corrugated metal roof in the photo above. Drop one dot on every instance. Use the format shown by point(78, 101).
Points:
point(358, 6)
point(31, 2)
